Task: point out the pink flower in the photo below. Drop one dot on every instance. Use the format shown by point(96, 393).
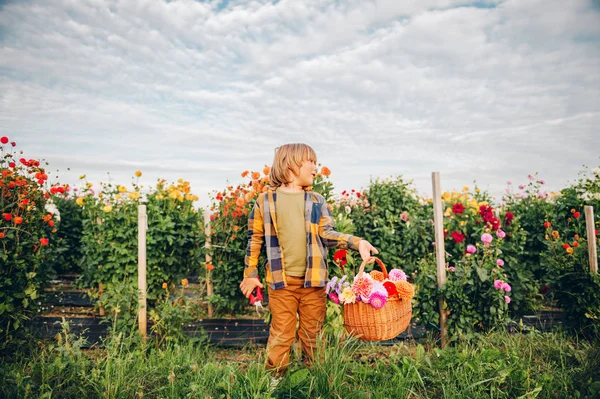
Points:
point(509, 182)
point(334, 297)
point(500, 262)
point(506, 287)
point(451, 269)
point(471, 249)
point(486, 238)
point(397, 275)
point(530, 177)
point(498, 284)
point(500, 234)
point(542, 194)
point(542, 181)
point(521, 186)
point(506, 299)
point(378, 300)
point(363, 286)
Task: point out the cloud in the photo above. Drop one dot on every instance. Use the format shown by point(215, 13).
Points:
point(204, 90)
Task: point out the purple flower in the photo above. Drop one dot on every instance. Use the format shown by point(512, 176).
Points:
point(378, 300)
point(334, 297)
point(500, 262)
point(486, 238)
point(471, 249)
point(498, 284)
point(500, 234)
point(331, 284)
point(506, 299)
point(506, 287)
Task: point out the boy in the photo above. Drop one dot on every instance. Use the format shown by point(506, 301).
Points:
point(296, 227)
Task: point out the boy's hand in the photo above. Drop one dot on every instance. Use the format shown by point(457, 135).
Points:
point(249, 284)
point(365, 249)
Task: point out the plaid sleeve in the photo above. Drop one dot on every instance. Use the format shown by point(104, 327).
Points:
point(256, 233)
point(332, 238)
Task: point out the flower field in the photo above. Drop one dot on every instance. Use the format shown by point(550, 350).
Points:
point(506, 258)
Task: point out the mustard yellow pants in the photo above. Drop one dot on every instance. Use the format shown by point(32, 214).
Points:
point(287, 305)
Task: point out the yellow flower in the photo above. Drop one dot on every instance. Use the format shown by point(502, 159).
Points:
point(477, 190)
point(555, 234)
point(195, 198)
point(465, 188)
point(122, 189)
point(462, 222)
point(159, 196)
point(89, 185)
point(100, 195)
point(133, 195)
point(173, 194)
point(347, 296)
point(82, 177)
point(138, 173)
point(107, 208)
point(184, 282)
point(118, 196)
point(569, 250)
point(80, 201)
point(164, 285)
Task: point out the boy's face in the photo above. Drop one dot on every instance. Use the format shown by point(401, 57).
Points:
point(307, 173)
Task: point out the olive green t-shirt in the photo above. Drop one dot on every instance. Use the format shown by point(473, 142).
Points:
point(291, 231)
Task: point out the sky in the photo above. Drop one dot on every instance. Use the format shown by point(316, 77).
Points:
point(486, 91)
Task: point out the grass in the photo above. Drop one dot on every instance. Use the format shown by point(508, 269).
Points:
point(495, 365)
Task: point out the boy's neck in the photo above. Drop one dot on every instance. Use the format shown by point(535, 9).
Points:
point(291, 188)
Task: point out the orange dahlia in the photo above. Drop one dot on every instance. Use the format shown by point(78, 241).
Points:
point(405, 289)
point(377, 275)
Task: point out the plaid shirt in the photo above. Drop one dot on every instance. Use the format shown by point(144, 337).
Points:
point(262, 229)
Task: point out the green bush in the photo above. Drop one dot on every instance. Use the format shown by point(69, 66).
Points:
point(175, 236)
point(66, 251)
point(26, 234)
point(394, 222)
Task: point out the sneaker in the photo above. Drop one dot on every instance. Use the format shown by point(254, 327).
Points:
point(274, 382)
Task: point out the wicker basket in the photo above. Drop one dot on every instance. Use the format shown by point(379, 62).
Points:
point(371, 324)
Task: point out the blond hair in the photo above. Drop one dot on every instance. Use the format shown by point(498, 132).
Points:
point(289, 157)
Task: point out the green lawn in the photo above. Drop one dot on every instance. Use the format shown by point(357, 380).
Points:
point(495, 365)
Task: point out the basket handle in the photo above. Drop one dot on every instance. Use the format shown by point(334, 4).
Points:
point(373, 259)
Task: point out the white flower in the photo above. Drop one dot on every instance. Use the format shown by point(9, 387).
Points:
point(596, 171)
point(347, 296)
point(51, 208)
point(347, 209)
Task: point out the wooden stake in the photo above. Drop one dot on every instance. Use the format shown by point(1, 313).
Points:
point(142, 228)
point(101, 310)
point(440, 253)
point(591, 236)
point(207, 245)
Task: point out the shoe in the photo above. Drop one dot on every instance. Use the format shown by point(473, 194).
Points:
point(274, 382)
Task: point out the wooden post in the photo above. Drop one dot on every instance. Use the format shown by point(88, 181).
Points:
point(101, 310)
point(209, 284)
point(438, 219)
point(142, 228)
point(591, 236)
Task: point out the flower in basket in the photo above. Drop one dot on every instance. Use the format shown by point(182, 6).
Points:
point(371, 288)
point(405, 290)
point(347, 296)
